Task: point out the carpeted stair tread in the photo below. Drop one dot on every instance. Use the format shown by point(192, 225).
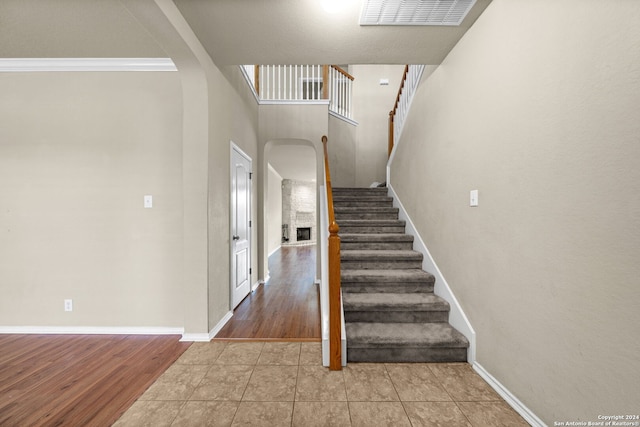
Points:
point(387, 281)
point(375, 237)
point(381, 335)
point(382, 255)
point(371, 222)
point(393, 302)
point(346, 198)
point(389, 276)
point(349, 209)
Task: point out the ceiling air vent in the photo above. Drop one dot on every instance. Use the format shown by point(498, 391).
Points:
point(415, 12)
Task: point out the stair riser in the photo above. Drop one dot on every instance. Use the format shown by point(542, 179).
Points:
point(340, 216)
point(405, 246)
point(355, 229)
point(379, 265)
point(355, 203)
point(406, 355)
point(399, 288)
point(360, 191)
point(396, 316)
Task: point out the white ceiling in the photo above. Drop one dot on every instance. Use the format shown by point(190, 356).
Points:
point(297, 162)
point(232, 32)
point(303, 32)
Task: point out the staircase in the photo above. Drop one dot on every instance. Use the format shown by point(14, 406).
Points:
point(390, 310)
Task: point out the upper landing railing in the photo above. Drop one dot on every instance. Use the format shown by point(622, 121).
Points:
point(408, 86)
point(303, 83)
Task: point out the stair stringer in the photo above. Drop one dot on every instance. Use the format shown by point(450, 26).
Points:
point(457, 317)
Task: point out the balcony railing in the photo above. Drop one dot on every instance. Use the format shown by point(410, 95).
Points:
point(302, 84)
point(408, 86)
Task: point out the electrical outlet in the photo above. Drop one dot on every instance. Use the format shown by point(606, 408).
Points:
point(68, 305)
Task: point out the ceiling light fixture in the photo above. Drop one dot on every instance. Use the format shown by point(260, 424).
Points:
point(332, 6)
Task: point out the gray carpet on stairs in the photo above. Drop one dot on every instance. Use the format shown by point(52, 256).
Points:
point(391, 312)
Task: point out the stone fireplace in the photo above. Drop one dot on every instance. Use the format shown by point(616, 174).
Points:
point(298, 212)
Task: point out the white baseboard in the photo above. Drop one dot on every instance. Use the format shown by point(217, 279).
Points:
point(274, 251)
point(195, 338)
point(214, 331)
point(255, 285)
point(513, 401)
point(457, 318)
point(90, 330)
point(203, 337)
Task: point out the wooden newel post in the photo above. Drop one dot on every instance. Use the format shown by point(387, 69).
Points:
point(335, 320)
point(256, 78)
point(325, 82)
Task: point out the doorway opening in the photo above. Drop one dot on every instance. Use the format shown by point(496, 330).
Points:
point(287, 305)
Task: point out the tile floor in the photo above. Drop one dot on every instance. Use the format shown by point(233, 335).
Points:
point(284, 384)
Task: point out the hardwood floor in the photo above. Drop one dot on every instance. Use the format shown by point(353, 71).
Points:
point(78, 380)
point(287, 307)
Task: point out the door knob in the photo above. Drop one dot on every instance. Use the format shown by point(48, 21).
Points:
point(236, 237)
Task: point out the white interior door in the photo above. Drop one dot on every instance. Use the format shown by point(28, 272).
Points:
point(240, 226)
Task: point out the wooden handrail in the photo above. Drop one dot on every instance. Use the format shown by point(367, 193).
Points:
point(335, 320)
point(392, 113)
point(343, 72)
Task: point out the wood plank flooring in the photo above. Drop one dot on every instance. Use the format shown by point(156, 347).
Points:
point(287, 307)
point(78, 380)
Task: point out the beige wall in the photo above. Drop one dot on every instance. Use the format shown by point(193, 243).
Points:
point(274, 210)
point(537, 108)
point(78, 151)
point(341, 147)
point(371, 105)
point(232, 117)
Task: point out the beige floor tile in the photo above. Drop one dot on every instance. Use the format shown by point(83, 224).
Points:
point(202, 353)
point(435, 414)
point(223, 382)
point(367, 414)
point(280, 353)
point(206, 414)
point(240, 353)
point(150, 413)
point(492, 414)
point(272, 384)
point(316, 383)
point(462, 382)
point(177, 383)
point(311, 353)
point(321, 414)
point(264, 414)
point(368, 383)
point(416, 382)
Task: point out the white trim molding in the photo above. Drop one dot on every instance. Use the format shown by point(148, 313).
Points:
point(85, 64)
point(457, 318)
point(343, 118)
point(90, 330)
point(512, 400)
point(214, 331)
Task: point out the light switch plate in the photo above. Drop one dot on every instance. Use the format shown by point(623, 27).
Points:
point(148, 202)
point(473, 198)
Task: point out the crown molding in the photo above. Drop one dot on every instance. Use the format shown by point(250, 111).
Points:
point(85, 64)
